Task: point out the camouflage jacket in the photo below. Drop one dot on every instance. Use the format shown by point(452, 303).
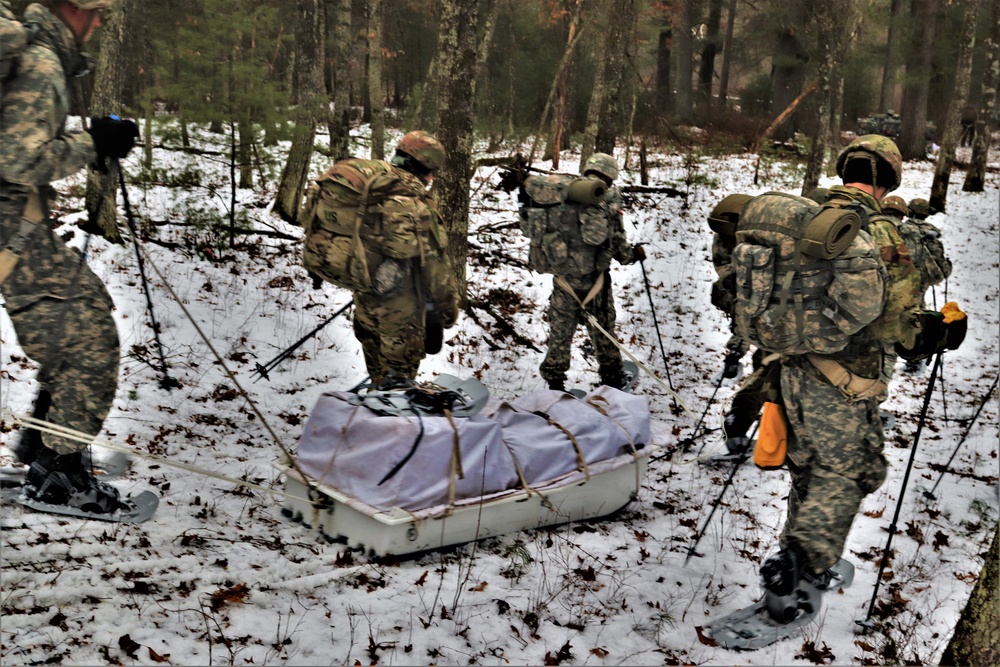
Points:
point(926, 250)
point(35, 147)
point(898, 322)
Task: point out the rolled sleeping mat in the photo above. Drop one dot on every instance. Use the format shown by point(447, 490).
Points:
point(725, 217)
point(830, 233)
point(586, 191)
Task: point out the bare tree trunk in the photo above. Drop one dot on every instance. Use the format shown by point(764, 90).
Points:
point(457, 54)
point(340, 120)
point(109, 86)
point(562, 87)
point(706, 73)
point(727, 47)
point(891, 62)
point(846, 47)
point(376, 98)
point(245, 153)
point(664, 93)
point(620, 38)
point(685, 55)
point(563, 64)
point(827, 24)
point(957, 100)
point(918, 75)
point(977, 636)
point(788, 68)
point(976, 176)
point(308, 91)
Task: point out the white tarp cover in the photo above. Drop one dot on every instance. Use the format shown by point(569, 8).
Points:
point(351, 448)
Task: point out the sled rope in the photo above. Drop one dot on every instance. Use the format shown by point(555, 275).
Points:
point(581, 461)
point(72, 434)
point(594, 403)
point(561, 282)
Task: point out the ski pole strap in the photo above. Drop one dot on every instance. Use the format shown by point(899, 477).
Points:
point(31, 216)
point(853, 387)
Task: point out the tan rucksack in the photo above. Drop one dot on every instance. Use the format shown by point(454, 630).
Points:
point(807, 276)
point(566, 223)
point(359, 214)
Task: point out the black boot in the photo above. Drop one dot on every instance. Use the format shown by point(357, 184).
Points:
point(783, 575)
point(557, 385)
point(56, 479)
point(27, 448)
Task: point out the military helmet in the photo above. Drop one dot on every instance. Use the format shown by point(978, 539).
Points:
point(920, 208)
point(423, 148)
point(873, 147)
point(603, 164)
point(91, 4)
point(818, 195)
point(897, 204)
point(726, 214)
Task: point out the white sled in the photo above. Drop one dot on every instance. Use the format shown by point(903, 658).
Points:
point(613, 484)
point(404, 481)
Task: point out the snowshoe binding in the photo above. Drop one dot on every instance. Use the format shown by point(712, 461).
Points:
point(106, 465)
point(61, 485)
point(792, 599)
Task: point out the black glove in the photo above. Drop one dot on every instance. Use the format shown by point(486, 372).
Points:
point(940, 331)
point(113, 137)
point(638, 253)
point(732, 364)
point(433, 334)
point(316, 280)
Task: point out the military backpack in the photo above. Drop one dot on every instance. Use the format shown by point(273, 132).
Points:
point(566, 223)
point(364, 220)
point(926, 251)
point(808, 277)
point(15, 37)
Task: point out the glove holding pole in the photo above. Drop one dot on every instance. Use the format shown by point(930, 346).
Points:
point(113, 138)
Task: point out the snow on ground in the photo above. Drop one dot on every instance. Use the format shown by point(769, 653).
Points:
point(220, 576)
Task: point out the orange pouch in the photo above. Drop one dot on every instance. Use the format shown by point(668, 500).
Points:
point(772, 438)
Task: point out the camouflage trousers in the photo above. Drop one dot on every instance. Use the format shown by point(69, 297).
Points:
point(391, 332)
point(835, 459)
point(565, 315)
point(61, 313)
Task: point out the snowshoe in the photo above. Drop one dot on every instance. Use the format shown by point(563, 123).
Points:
point(628, 382)
point(72, 491)
point(778, 616)
point(888, 420)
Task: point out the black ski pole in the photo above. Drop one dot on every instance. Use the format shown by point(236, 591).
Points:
point(166, 382)
point(694, 434)
point(263, 370)
point(656, 324)
point(968, 429)
point(866, 624)
point(715, 505)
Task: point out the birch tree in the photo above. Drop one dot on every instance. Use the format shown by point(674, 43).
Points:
point(602, 116)
point(826, 16)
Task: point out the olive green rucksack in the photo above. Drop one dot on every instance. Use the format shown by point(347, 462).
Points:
point(808, 277)
point(359, 216)
point(566, 223)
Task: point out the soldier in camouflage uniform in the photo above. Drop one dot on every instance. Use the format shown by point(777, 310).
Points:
point(564, 311)
point(60, 309)
point(835, 436)
point(393, 328)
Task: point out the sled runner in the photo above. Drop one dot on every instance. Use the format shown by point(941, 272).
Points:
point(396, 483)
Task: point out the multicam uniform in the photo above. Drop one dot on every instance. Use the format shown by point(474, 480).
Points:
point(927, 252)
point(564, 311)
point(835, 445)
point(60, 309)
point(391, 326)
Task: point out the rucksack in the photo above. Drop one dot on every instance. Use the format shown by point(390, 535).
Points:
point(926, 251)
point(808, 277)
point(566, 223)
point(15, 37)
point(360, 215)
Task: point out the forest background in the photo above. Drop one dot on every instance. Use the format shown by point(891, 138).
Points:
point(628, 77)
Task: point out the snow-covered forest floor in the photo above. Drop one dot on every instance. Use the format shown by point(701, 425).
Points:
point(219, 576)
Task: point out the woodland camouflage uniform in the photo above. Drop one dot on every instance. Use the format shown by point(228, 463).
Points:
point(564, 312)
point(60, 309)
point(835, 445)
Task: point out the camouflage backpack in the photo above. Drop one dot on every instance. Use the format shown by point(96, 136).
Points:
point(808, 277)
point(359, 216)
point(15, 37)
point(923, 240)
point(566, 221)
